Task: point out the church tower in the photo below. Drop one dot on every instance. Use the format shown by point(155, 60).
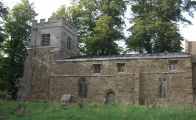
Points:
point(51, 40)
point(55, 33)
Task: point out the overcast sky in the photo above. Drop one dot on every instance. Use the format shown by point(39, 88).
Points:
point(44, 8)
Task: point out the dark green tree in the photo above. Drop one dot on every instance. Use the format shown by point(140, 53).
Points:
point(155, 24)
point(18, 30)
point(82, 15)
point(108, 28)
point(3, 13)
point(99, 24)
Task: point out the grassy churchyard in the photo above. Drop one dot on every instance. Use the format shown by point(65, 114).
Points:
point(10, 110)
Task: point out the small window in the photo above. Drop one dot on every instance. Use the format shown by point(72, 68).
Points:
point(121, 67)
point(68, 43)
point(45, 39)
point(163, 87)
point(97, 68)
point(172, 65)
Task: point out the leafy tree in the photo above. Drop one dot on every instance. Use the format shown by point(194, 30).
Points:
point(66, 13)
point(108, 27)
point(101, 42)
point(3, 12)
point(79, 14)
point(18, 29)
point(61, 12)
point(155, 27)
point(99, 24)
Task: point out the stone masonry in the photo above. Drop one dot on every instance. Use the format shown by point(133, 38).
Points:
point(191, 49)
point(53, 71)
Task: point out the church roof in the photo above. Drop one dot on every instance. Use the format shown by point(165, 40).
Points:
point(128, 56)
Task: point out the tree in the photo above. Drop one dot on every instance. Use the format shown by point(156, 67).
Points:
point(66, 13)
point(155, 27)
point(18, 29)
point(108, 27)
point(82, 15)
point(101, 42)
point(3, 13)
point(95, 18)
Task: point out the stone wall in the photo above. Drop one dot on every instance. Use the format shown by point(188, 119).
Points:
point(191, 49)
point(194, 81)
point(140, 83)
point(37, 72)
point(47, 78)
point(24, 90)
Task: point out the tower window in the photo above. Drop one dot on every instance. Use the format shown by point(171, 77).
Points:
point(97, 68)
point(45, 39)
point(121, 67)
point(68, 43)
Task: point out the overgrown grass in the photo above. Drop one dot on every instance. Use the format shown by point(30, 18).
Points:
point(54, 111)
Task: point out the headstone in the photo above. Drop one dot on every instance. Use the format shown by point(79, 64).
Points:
point(66, 99)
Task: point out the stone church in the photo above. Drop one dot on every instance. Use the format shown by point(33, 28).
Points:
point(54, 67)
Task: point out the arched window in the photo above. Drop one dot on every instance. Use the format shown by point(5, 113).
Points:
point(110, 97)
point(63, 44)
point(69, 43)
point(83, 88)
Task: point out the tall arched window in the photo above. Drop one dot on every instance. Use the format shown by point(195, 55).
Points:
point(69, 43)
point(83, 88)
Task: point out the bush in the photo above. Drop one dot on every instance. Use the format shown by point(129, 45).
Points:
point(4, 95)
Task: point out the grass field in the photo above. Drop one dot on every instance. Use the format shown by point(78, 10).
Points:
point(54, 111)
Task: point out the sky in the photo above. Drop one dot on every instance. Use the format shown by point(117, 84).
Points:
point(45, 8)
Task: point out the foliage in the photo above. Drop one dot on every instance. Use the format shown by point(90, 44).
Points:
point(67, 13)
point(101, 42)
point(18, 30)
point(61, 12)
point(107, 30)
point(155, 27)
point(54, 111)
point(91, 17)
point(3, 13)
